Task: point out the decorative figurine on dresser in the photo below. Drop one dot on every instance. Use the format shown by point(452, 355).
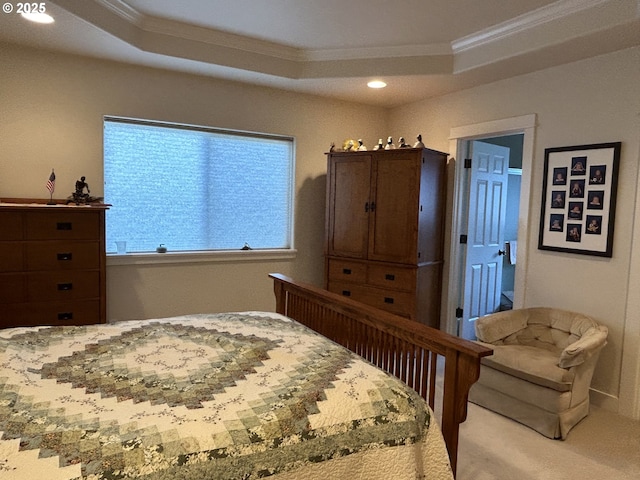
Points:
point(52, 263)
point(79, 197)
point(385, 225)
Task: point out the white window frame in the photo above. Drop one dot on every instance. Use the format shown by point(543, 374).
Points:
point(210, 256)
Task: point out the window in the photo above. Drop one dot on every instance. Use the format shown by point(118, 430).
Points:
point(196, 188)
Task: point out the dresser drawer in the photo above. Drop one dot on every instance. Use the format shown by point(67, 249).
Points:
point(13, 288)
point(62, 255)
point(63, 285)
point(62, 225)
point(347, 271)
point(11, 256)
point(12, 226)
point(50, 313)
point(392, 277)
point(46, 286)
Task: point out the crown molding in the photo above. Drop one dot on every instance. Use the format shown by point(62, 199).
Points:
point(501, 31)
point(181, 40)
point(186, 31)
point(378, 52)
point(214, 37)
point(122, 9)
point(215, 47)
point(522, 23)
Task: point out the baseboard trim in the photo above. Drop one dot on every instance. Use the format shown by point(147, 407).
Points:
point(604, 400)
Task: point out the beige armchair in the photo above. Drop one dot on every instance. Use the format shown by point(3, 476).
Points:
point(541, 368)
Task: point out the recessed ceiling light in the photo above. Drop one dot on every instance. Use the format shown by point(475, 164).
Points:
point(38, 17)
point(376, 84)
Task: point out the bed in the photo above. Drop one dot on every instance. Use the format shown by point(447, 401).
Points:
point(234, 395)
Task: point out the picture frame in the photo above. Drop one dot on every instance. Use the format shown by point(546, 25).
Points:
point(579, 199)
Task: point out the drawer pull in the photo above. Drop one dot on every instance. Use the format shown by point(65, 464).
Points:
point(64, 226)
point(388, 300)
point(390, 276)
point(65, 316)
point(65, 257)
point(346, 271)
point(346, 293)
point(65, 286)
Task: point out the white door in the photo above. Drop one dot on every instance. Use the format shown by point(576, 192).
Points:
point(485, 233)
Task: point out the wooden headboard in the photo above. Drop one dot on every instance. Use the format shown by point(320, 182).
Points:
point(407, 349)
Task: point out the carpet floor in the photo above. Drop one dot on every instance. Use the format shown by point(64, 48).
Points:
point(602, 446)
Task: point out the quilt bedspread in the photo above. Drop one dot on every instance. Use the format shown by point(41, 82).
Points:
point(217, 396)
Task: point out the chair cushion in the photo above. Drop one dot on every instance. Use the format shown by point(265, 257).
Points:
point(496, 327)
point(532, 364)
point(591, 342)
point(543, 327)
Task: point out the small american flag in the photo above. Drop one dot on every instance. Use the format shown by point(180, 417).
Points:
point(51, 183)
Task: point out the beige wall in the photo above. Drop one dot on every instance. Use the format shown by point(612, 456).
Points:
point(52, 108)
point(592, 101)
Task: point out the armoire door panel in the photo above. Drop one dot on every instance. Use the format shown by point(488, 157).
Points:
point(393, 232)
point(349, 206)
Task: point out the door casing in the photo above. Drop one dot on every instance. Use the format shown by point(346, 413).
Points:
point(458, 140)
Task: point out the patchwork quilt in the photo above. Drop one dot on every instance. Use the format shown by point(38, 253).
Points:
point(217, 396)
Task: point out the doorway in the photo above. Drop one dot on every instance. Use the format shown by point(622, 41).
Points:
point(488, 246)
point(517, 133)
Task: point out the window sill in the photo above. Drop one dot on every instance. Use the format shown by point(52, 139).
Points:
point(153, 258)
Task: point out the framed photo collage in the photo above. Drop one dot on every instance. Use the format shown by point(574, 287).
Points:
point(579, 199)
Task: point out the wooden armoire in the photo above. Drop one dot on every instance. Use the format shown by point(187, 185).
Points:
point(384, 229)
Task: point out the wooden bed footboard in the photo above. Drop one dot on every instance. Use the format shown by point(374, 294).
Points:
point(404, 348)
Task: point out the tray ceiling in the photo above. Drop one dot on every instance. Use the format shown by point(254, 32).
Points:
point(333, 47)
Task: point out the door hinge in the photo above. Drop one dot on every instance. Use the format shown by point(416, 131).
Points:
point(459, 312)
point(467, 163)
point(464, 239)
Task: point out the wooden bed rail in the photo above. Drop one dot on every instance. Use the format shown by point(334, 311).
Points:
point(407, 349)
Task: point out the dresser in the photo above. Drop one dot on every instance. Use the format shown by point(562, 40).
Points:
point(52, 264)
point(384, 229)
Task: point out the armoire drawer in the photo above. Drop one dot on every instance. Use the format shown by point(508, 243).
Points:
point(400, 303)
point(62, 255)
point(65, 225)
point(347, 271)
point(50, 313)
point(391, 277)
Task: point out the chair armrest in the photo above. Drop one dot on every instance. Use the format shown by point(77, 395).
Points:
point(576, 353)
point(493, 328)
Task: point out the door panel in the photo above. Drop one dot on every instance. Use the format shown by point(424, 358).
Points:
point(474, 282)
point(486, 224)
point(348, 216)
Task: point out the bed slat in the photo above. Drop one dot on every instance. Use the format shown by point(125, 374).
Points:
point(407, 349)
